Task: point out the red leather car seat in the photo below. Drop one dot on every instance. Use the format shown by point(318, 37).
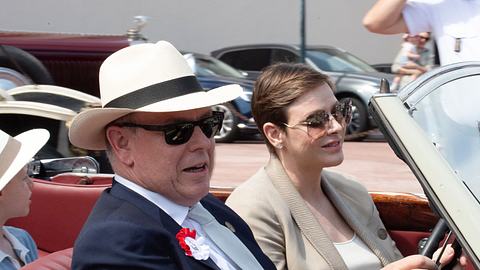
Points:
point(60, 260)
point(57, 213)
point(83, 179)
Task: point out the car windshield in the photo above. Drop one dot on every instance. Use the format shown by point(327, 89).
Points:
point(450, 116)
point(330, 59)
point(433, 124)
point(214, 67)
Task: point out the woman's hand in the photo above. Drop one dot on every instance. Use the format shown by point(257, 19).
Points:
point(412, 262)
point(447, 256)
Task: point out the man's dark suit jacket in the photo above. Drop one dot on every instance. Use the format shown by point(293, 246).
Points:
point(126, 231)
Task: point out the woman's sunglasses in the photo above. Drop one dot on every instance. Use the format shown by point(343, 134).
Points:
point(318, 121)
point(180, 133)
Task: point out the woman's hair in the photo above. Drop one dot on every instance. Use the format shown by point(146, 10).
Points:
point(277, 87)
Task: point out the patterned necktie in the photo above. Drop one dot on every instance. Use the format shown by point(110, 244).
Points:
point(224, 238)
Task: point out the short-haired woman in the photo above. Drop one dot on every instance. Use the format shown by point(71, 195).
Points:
point(303, 216)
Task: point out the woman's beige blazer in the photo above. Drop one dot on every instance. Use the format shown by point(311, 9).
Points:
point(289, 233)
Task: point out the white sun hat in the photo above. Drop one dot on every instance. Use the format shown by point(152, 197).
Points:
point(16, 152)
point(145, 77)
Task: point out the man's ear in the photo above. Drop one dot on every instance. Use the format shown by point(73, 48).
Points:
point(273, 134)
point(120, 142)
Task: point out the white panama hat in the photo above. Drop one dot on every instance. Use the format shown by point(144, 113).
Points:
point(16, 152)
point(144, 78)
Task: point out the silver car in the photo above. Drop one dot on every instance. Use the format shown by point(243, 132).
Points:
point(353, 77)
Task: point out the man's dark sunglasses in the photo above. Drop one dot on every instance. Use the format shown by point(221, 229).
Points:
point(180, 133)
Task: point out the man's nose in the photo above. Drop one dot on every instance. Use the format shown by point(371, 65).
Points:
point(199, 139)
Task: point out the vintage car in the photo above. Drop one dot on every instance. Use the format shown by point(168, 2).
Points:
point(61, 205)
point(51, 107)
point(433, 125)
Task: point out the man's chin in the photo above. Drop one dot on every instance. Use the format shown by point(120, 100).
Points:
point(196, 194)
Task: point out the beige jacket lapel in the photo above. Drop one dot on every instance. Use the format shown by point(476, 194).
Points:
point(358, 224)
point(302, 215)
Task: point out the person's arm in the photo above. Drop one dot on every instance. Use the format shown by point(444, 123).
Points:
point(385, 17)
point(411, 69)
point(412, 262)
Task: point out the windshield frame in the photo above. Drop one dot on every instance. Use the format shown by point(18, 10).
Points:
point(452, 198)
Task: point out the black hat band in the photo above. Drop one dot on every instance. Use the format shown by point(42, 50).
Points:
point(157, 92)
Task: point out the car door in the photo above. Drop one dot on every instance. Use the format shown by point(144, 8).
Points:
point(433, 124)
point(283, 56)
point(251, 61)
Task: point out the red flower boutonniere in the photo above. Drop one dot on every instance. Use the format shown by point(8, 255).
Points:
point(192, 245)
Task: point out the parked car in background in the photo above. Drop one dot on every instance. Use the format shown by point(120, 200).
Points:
point(211, 73)
point(383, 67)
point(353, 77)
point(73, 61)
point(67, 60)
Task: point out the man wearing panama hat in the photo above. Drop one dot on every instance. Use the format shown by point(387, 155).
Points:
point(17, 247)
point(157, 127)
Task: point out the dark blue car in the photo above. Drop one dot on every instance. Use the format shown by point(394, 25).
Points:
point(213, 73)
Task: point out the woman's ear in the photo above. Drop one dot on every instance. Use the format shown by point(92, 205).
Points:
point(273, 134)
point(120, 142)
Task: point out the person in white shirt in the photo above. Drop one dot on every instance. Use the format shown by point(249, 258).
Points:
point(455, 24)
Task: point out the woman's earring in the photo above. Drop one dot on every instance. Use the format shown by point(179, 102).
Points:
point(279, 146)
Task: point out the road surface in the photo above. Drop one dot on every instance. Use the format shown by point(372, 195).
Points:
point(372, 163)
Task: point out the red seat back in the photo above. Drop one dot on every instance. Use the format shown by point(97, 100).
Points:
point(83, 179)
point(57, 213)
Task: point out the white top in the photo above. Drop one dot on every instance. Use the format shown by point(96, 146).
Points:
point(357, 255)
point(452, 22)
point(179, 214)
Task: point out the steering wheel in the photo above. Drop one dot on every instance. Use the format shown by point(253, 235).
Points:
point(438, 233)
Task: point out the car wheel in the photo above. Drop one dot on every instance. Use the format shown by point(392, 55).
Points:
point(229, 130)
point(10, 78)
point(359, 121)
point(18, 67)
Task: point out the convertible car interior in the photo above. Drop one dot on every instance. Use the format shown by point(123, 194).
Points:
point(433, 125)
point(61, 205)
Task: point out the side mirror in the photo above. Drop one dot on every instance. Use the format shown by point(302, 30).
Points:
point(46, 168)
